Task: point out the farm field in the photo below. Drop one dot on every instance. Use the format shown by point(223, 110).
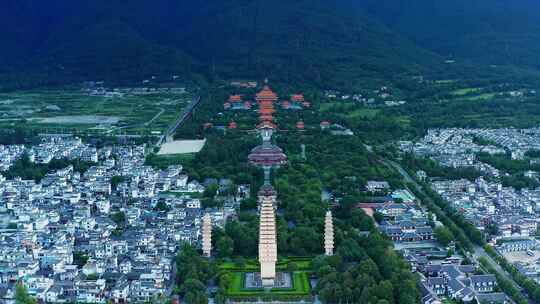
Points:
point(129, 111)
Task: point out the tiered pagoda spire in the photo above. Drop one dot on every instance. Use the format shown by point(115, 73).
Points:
point(266, 99)
point(328, 234)
point(267, 242)
point(207, 235)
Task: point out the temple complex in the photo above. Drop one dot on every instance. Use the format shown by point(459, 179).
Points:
point(328, 234)
point(267, 156)
point(207, 235)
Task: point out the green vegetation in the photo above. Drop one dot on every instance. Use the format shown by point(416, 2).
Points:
point(164, 161)
point(489, 26)
point(338, 164)
point(444, 235)
point(80, 258)
point(503, 283)
point(300, 289)
point(193, 273)
point(506, 164)
point(516, 168)
point(26, 169)
point(532, 288)
point(466, 234)
point(433, 169)
point(72, 110)
point(21, 295)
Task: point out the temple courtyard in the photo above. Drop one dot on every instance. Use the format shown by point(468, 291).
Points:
point(292, 280)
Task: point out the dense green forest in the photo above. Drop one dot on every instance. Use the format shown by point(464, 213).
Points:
point(338, 44)
point(495, 32)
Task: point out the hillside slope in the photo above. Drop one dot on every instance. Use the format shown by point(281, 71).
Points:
point(498, 32)
point(306, 41)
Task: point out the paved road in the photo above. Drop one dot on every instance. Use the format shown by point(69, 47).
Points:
point(478, 250)
point(154, 118)
point(181, 119)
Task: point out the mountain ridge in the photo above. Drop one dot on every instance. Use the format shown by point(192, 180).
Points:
point(344, 43)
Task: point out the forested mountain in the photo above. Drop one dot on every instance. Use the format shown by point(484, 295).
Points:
point(312, 41)
point(496, 32)
point(325, 43)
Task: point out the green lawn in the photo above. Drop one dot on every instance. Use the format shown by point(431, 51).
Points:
point(363, 113)
point(336, 107)
point(301, 287)
point(163, 161)
point(302, 263)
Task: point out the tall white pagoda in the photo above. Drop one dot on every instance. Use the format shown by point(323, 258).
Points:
point(207, 235)
point(328, 234)
point(267, 242)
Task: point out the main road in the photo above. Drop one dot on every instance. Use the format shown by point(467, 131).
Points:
point(188, 111)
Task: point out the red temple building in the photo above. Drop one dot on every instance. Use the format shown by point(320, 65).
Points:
point(300, 125)
point(325, 124)
point(235, 102)
point(235, 98)
point(266, 99)
point(297, 98)
point(232, 125)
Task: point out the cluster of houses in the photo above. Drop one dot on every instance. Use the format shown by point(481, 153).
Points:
point(108, 234)
point(10, 154)
point(459, 282)
point(97, 89)
point(411, 229)
point(382, 96)
point(508, 215)
point(50, 148)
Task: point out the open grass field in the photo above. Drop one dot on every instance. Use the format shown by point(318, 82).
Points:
point(363, 113)
point(349, 109)
point(125, 111)
point(163, 161)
